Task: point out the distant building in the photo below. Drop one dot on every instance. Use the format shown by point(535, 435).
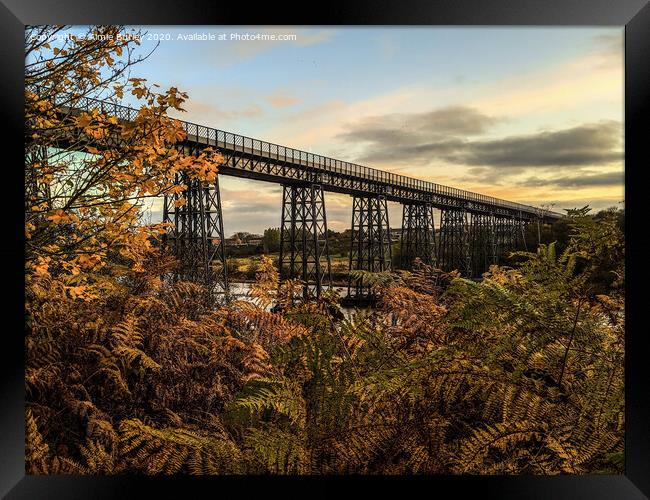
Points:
point(244, 239)
point(234, 242)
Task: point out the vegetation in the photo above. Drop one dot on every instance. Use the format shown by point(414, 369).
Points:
point(271, 240)
point(521, 373)
point(245, 268)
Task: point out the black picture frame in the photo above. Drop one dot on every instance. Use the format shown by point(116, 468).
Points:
point(633, 14)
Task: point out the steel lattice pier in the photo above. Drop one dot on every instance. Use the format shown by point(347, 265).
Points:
point(303, 238)
point(370, 245)
point(454, 251)
point(483, 243)
point(418, 237)
point(195, 234)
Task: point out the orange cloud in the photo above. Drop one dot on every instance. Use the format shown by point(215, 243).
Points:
point(281, 100)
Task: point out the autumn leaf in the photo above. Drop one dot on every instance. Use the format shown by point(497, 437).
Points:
point(41, 268)
point(58, 217)
point(83, 120)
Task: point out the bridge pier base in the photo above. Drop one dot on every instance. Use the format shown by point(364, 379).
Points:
point(418, 234)
point(303, 238)
point(370, 244)
point(195, 235)
point(454, 251)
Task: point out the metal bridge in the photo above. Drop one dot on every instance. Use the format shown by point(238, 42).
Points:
point(476, 230)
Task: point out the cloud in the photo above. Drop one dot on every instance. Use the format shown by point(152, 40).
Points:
point(246, 209)
point(594, 78)
point(577, 181)
point(417, 127)
point(281, 100)
point(445, 134)
point(610, 47)
point(408, 137)
point(588, 144)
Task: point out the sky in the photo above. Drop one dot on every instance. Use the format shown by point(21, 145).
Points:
point(528, 114)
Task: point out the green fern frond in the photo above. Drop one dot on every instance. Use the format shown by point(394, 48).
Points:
point(278, 395)
point(271, 450)
point(173, 450)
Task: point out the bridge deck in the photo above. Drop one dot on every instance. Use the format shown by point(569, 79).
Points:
point(262, 160)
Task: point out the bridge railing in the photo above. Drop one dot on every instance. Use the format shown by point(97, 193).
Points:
point(323, 164)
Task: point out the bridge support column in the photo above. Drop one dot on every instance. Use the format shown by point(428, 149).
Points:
point(195, 235)
point(517, 234)
point(493, 243)
point(303, 238)
point(454, 251)
point(508, 237)
point(482, 243)
point(501, 236)
point(418, 234)
point(370, 247)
